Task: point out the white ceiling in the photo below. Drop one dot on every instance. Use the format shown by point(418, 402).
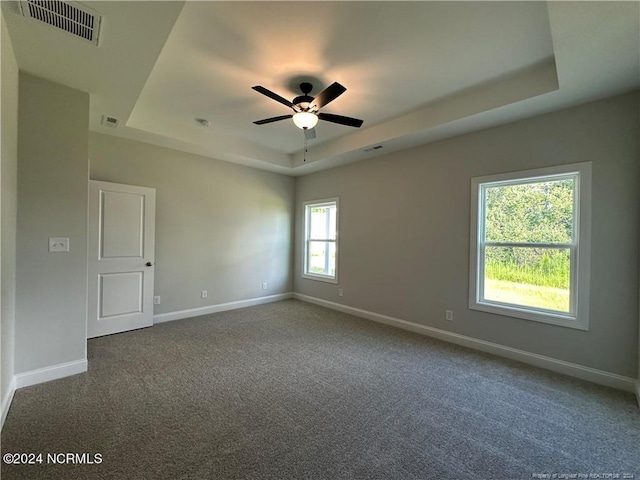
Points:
point(414, 71)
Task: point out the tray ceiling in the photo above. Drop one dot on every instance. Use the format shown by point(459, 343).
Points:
point(414, 71)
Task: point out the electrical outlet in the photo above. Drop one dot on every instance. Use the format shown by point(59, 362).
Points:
point(264, 285)
point(156, 300)
point(203, 294)
point(448, 315)
point(340, 292)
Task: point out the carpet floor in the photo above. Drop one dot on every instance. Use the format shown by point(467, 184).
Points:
point(290, 390)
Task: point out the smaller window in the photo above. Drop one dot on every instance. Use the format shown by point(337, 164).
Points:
point(321, 240)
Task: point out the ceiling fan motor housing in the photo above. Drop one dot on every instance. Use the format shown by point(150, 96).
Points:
point(302, 100)
point(305, 98)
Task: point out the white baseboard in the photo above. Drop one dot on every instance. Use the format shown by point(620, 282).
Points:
point(7, 399)
point(572, 369)
point(195, 312)
point(46, 374)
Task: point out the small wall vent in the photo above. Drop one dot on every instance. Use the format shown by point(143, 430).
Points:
point(109, 121)
point(73, 18)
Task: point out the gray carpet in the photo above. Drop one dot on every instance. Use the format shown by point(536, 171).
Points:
point(292, 390)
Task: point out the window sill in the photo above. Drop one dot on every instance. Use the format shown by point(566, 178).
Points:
point(532, 315)
point(320, 278)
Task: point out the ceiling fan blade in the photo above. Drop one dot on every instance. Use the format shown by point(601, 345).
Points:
point(272, 95)
point(310, 133)
point(329, 94)
point(348, 121)
point(272, 119)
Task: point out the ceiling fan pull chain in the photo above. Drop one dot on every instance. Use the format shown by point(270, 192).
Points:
point(304, 156)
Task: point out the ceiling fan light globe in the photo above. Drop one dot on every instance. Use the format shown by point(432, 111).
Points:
point(305, 120)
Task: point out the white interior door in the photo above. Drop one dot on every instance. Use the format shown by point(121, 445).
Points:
point(121, 257)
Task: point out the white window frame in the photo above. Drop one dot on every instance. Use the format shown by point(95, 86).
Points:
point(306, 206)
point(580, 247)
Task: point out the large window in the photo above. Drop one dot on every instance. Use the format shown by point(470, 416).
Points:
point(321, 240)
point(530, 245)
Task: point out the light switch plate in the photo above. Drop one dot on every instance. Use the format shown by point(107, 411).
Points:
point(58, 244)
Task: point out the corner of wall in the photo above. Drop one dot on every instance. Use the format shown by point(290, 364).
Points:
point(8, 208)
point(7, 398)
point(52, 200)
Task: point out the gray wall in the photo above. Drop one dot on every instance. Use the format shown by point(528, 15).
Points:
point(51, 290)
point(220, 227)
point(8, 177)
point(404, 230)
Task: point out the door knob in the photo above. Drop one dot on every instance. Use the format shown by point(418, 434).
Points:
point(149, 264)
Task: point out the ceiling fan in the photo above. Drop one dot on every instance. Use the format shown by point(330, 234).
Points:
point(306, 109)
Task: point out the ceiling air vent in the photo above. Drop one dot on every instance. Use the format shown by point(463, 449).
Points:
point(109, 121)
point(371, 149)
point(73, 18)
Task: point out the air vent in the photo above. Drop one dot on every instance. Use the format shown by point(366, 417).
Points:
point(109, 121)
point(75, 18)
point(371, 149)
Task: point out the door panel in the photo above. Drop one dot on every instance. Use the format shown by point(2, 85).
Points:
point(121, 294)
point(121, 257)
point(122, 233)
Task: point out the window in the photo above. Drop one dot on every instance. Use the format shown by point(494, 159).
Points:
point(321, 240)
point(530, 245)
